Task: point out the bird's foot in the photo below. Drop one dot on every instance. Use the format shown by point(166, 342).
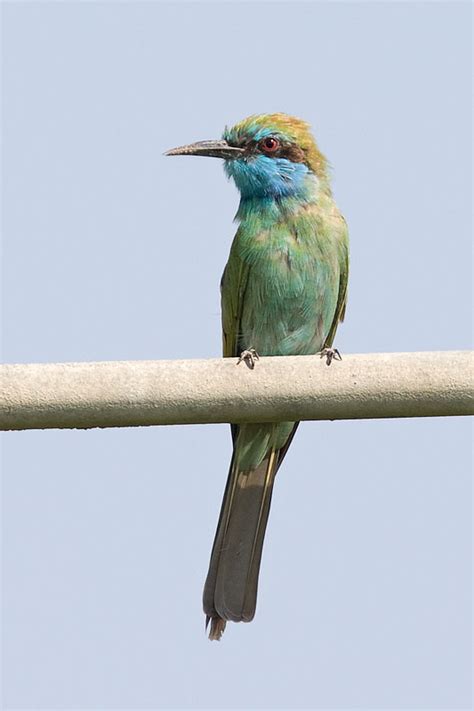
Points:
point(217, 627)
point(249, 357)
point(331, 354)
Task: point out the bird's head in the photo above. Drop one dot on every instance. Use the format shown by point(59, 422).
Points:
point(269, 155)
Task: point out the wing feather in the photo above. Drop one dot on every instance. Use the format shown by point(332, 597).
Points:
point(233, 285)
point(343, 281)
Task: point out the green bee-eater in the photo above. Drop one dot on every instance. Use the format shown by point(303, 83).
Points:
point(283, 293)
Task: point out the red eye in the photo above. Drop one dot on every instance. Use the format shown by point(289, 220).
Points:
point(270, 144)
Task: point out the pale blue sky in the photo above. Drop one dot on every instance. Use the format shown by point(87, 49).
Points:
point(112, 251)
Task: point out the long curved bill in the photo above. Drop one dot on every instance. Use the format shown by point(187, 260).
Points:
point(213, 149)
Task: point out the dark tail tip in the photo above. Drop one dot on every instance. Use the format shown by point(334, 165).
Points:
point(217, 627)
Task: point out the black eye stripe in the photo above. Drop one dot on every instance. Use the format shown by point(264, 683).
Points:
point(285, 150)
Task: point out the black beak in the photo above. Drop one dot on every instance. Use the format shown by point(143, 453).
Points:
point(214, 149)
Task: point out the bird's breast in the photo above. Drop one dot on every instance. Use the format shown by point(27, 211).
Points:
point(291, 290)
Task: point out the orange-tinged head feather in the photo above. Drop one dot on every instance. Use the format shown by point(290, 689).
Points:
point(289, 128)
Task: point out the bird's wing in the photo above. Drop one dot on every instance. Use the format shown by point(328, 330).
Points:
point(233, 286)
point(343, 279)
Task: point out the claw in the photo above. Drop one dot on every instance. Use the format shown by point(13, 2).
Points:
point(250, 357)
point(331, 354)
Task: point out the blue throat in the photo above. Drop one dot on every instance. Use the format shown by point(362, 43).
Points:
point(262, 176)
point(271, 186)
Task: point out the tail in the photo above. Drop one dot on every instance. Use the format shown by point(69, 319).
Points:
point(230, 591)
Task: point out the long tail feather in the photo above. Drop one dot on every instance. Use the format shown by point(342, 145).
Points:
point(230, 591)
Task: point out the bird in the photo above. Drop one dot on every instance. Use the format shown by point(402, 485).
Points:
point(283, 292)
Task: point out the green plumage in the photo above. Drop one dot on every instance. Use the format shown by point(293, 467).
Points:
point(283, 293)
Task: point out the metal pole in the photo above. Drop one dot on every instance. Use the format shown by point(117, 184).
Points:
point(127, 394)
